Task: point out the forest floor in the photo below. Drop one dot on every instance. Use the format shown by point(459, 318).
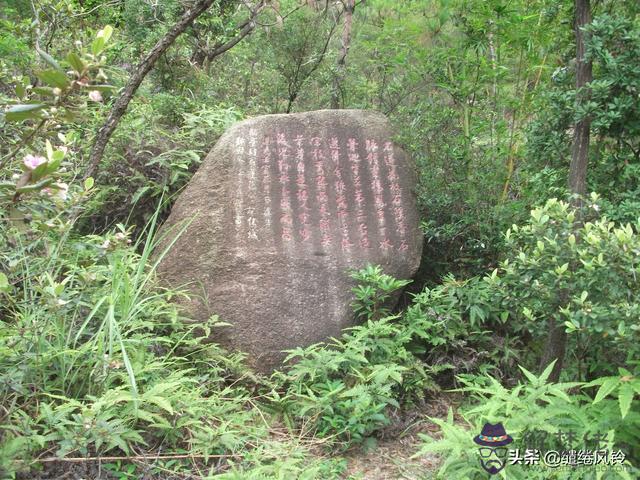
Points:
point(391, 458)
point(388, 458)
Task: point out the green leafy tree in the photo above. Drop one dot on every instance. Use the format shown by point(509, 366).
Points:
point(583, 280)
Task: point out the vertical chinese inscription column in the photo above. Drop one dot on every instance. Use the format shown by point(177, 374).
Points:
point(238, 204)
point(252, 191)
point(361, 216)
point(378, 193)
point(286, 215)
point(318, 158)
point(341, 199)
point(396, 196)
point(302, 193)
point(266, 181)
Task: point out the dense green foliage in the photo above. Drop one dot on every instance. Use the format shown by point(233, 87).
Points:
point(532, 406)
point(97, 360)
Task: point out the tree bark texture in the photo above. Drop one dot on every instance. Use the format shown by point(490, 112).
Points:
point(584, 75)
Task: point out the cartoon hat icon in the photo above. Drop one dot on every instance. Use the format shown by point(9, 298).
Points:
point(493, 436)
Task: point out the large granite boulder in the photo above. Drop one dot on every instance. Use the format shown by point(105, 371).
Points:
point(279, 210)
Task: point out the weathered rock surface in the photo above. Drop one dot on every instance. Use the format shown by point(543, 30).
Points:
point(280, 209)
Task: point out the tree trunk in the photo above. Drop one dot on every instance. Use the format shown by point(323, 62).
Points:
point(584, 75)
point(141, 71)
point(336, 93)
point(557, 337)
point(555, 348)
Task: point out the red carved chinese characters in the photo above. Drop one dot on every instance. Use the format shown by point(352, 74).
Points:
point(252, 154)
point(323, 198)
point(266, 179)
point(302, 194)
point(286, 218)
point(238, 205)
point(363, 189)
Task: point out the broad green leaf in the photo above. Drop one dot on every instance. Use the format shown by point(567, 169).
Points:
point(20, 90)
point(55, 78)
point(608, 386)
point(625, 397)
point(106, 32)
point(57, 155)
point(53, 165)
point(49, 150)
point(21, 112)
point(49, 59)
point(97, 45)
point(39, 172)
point(76, 62)
point(88, 183)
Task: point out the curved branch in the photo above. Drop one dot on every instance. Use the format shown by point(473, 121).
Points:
point(141, 71)
point(245, 27)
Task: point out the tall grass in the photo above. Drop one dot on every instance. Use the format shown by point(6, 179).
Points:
point(95, 359)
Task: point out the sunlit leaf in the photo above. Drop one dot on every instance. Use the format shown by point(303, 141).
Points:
point(74, 60)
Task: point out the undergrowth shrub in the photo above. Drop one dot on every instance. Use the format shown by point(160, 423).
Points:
point(94, 357)
point(582, 275)
point(458, 327)
point(539, 416)
point(344, 389)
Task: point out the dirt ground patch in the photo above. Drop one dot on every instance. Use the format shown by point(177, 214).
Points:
point(391, 458)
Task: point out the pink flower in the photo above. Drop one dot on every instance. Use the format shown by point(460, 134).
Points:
point(32, 161)
point(95, 96)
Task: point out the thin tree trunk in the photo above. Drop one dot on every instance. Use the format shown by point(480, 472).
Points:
point(584, 75)
point(349, 7)
point(493, 59)
point(554, 349)
point(141, 71)
point(556, 344)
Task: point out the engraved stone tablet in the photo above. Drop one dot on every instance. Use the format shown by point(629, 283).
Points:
point(279, 211)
